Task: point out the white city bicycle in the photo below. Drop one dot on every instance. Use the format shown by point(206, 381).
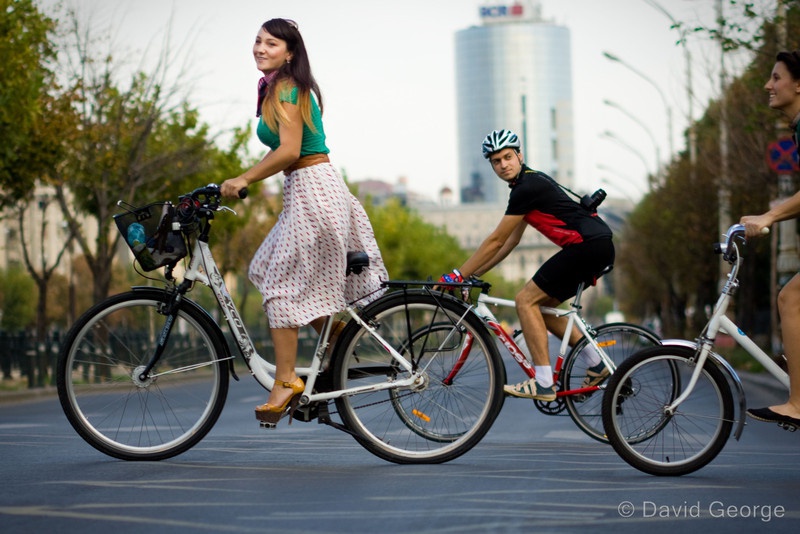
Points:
point(144, 375)
point(669, 410)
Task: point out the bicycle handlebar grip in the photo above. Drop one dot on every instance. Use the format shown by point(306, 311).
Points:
point(243, 193)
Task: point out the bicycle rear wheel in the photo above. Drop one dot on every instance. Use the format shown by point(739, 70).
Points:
point(618, 341)
point(460, 391)
point(444, 338)
point(653, 441)
point(117, 412)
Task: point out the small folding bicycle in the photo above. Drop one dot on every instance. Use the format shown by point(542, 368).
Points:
point(669, 410)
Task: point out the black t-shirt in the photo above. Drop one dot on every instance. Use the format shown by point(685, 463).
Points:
point(548, 208)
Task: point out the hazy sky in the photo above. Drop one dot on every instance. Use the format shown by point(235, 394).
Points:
point(387, 75)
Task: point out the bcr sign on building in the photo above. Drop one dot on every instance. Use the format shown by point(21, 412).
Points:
point(517, 11)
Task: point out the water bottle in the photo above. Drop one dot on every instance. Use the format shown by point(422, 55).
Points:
point(136, 234)
point(136, 239)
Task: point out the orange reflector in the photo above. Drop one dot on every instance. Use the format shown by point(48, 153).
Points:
point(421, 415)
point(608, 343)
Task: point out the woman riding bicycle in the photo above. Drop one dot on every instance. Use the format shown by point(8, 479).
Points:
point(300, 267)
point(784, 95)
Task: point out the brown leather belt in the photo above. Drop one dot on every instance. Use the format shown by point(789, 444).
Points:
point(306, 161)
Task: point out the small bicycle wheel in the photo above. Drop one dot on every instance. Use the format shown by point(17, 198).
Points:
point(112, 407)
point(644, 434)
point(618, 341)
point(460, 388)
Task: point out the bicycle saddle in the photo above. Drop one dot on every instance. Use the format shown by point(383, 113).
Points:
point(357, 261)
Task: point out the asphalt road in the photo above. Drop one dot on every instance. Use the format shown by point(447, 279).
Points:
point(532, 473)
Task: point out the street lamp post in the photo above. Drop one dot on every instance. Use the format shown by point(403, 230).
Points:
point(610, 135)
point(638, 121)
point(622, 190)
point(625, 178)
point(616, 59)
point(692, 134)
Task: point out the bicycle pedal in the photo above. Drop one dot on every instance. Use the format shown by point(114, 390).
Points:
point(264, 424)
point(788, 426)
point(306, 413)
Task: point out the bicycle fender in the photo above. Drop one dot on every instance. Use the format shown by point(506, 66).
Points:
point(733, 377)
point(217, 330)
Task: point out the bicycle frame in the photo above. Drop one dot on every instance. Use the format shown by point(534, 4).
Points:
point(720, 322)
point(145, 374)
point(574, 319)
point(203, 268)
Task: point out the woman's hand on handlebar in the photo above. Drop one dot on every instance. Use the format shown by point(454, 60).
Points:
point(233, 188)
point(755, 225)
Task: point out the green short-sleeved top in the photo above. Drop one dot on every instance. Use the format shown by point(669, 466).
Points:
point(313, 141)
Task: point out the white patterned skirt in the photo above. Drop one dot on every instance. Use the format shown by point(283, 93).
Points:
point(300, 267)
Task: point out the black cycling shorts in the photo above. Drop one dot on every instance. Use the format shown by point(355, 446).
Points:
point(560, 275)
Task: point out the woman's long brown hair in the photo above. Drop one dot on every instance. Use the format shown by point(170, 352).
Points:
point(295, 73)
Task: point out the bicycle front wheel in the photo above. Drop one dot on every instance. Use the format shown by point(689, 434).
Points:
point(456, 398)
point(618, 341)
point(638, 425)
point(112, 407)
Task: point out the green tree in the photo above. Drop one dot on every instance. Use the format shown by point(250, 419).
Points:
point(745, 24)
point(25, 77)
point(32, 118)
point(139, 142)
point(17, 300)
point(236, 239)
point(665, 256)
point(411, 248)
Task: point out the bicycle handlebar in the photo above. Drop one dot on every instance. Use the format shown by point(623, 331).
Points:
point(728, 249)
point(202, 201)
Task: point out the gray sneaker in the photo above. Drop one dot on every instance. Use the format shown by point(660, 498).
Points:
point(595, 375)
point(531, 389)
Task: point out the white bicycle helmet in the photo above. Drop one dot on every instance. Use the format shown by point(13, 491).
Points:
point(498, 140)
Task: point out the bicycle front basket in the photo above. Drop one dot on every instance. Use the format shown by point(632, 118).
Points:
point(149, 234)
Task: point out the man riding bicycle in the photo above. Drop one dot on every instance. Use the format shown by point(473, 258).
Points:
point(586, 250)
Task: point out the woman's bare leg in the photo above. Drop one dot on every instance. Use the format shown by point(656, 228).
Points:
point(285, 342)
point(789, 309)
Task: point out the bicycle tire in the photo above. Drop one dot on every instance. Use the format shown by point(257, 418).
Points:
point(434, 422)
point(111, 408)
point(644, 435)
point(618, 341)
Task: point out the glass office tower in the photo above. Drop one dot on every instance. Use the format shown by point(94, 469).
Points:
point(514, 72)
